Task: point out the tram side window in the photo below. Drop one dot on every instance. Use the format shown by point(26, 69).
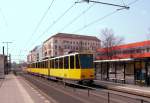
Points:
point(66, 64)
point(38, 64)
point(71, 62)
point(42, 64)
point(77, 62)
point(53, 63)
point(61, 63)
point(35, 65)
point(56, 63)
point(46, 62)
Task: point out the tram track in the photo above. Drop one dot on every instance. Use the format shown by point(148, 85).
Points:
point(96, 95)
point(68, 94)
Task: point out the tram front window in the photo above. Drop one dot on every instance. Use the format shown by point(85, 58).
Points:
point(86, 61)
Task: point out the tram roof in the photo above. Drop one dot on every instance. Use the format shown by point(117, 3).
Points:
point(65, 55)
point(114, 60)
point(71, 54)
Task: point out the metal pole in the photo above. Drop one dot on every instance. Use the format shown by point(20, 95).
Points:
point(7, 49)
point(3, 50)
point(88, 92)
point(124, 72)
point(74, 89)
point(108, 98)
point(142, 101)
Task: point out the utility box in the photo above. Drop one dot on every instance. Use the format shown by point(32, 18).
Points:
point(2, 69)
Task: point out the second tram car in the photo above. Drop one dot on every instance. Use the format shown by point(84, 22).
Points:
point(75, 66)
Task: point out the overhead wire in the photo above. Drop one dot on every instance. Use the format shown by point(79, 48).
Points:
point(76, 18)
point(59, 18)
point(123, 2)
point(39, 23)
point(89, 24)
point(3, 16)
point(131, 3)
point(95, 21)
point(101, 18)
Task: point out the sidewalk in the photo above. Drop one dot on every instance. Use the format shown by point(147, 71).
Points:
point(127, 88)
point(13, 89)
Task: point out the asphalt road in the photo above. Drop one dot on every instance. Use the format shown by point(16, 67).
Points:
point(69, 94)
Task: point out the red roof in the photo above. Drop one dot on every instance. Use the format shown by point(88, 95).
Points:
point(130, 45)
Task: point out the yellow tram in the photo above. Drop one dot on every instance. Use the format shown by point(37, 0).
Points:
point(75, 66)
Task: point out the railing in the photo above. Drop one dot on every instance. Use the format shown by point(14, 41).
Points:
point(109, 94)
point(110, 97)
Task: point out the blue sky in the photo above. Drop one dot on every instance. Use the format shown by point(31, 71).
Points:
point(19, 18)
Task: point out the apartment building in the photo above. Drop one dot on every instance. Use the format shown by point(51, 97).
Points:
point(63, 43)
point(36, 54)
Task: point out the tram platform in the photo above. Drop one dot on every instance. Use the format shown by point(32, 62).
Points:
point(14, 89)
point(127, 88)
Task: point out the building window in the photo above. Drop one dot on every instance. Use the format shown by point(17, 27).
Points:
point(76, 48)
point(55, 46)
point(55, 53)
point(55, 41)
point(65, 47)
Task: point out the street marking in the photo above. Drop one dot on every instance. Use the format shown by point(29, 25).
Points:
point(135, 89)
point(42, 97)
point(36, 88)
point(46, 101)
point(24, 93)
point(78, 98)
point(36, 92)
point(39, 94)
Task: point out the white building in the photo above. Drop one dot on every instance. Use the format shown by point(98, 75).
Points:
point(36, 54)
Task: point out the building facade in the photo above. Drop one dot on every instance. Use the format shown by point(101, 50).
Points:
point(63, 43)
point(36, 54)
point(129, 63)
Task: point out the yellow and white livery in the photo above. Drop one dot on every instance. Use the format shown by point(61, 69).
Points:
point(75, 66)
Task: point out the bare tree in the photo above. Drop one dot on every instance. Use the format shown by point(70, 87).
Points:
point(148, 34)
point(109, 42)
